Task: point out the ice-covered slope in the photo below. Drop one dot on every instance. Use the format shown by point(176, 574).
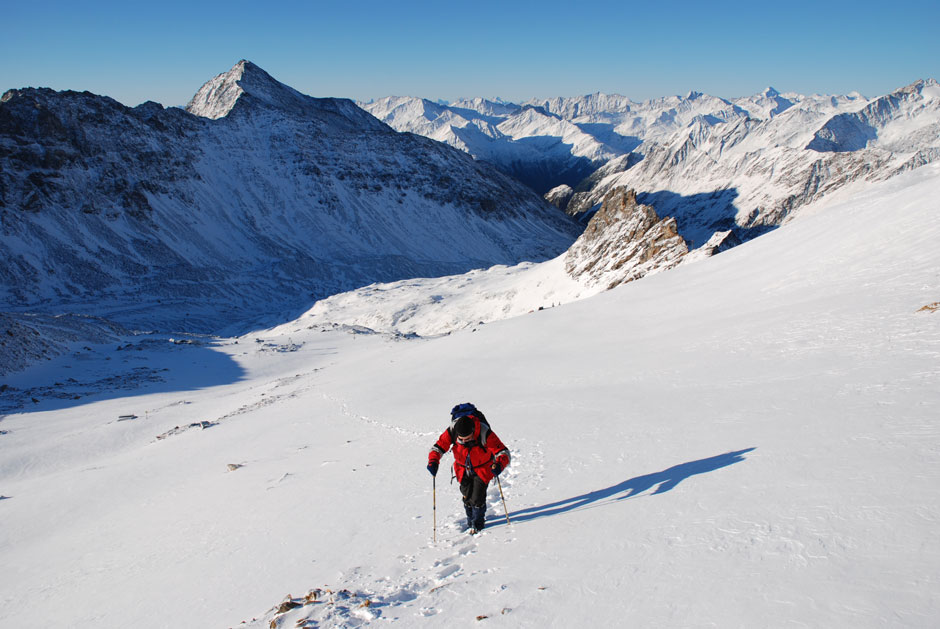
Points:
point(746, 441)
point(262, 202)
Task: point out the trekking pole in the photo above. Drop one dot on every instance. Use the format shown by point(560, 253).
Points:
point(500, 485)
point(434, 491)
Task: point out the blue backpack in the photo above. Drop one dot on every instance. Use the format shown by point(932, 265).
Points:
point(462, 410)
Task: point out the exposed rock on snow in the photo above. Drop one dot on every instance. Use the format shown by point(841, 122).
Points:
point(720, 241)
point(25, 339)
point(340, 608)
point(624, 241)
point(559, 196)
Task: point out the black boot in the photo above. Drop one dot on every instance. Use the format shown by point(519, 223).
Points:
point(477, 518)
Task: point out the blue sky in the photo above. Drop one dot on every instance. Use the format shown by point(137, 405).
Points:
point(514, 50)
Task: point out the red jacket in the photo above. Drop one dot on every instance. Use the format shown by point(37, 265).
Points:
point(485, 448)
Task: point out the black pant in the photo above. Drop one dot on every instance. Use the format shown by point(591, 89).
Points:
point(474, 500)
point(473, 491)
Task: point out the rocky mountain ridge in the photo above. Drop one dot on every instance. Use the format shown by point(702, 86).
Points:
point(249, 206)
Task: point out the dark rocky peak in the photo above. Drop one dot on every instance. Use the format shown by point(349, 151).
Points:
point(42, 115)
point(540, 110)
point(52, 128)
point(917, 87)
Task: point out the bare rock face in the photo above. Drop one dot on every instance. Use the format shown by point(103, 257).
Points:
point(559, 196)
point(720, 241)
point(623, 242)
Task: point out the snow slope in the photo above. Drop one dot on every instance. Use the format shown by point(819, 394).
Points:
point(751, 440)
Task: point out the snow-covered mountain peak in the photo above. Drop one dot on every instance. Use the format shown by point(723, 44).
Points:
point(486, 106)
point(248, 88)
point(219, 95)
point(927, 88)
point(905, 121)
point(596, 104)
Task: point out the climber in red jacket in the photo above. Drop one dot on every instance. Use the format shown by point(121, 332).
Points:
point(479, 456)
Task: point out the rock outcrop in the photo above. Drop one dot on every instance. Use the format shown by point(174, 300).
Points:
point(624, 241)
point(559, 196)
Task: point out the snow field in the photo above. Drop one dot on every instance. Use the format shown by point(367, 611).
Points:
point(750, 440)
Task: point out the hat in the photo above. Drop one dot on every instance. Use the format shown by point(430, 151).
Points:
point(464, 426)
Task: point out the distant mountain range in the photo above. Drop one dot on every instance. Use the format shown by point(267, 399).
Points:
point(743, 165)
point(255, 201)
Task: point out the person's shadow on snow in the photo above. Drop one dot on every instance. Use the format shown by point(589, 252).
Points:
point(662, 481)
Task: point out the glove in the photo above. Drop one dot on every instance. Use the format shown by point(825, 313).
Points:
point(432, 467)
point(497, 468)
